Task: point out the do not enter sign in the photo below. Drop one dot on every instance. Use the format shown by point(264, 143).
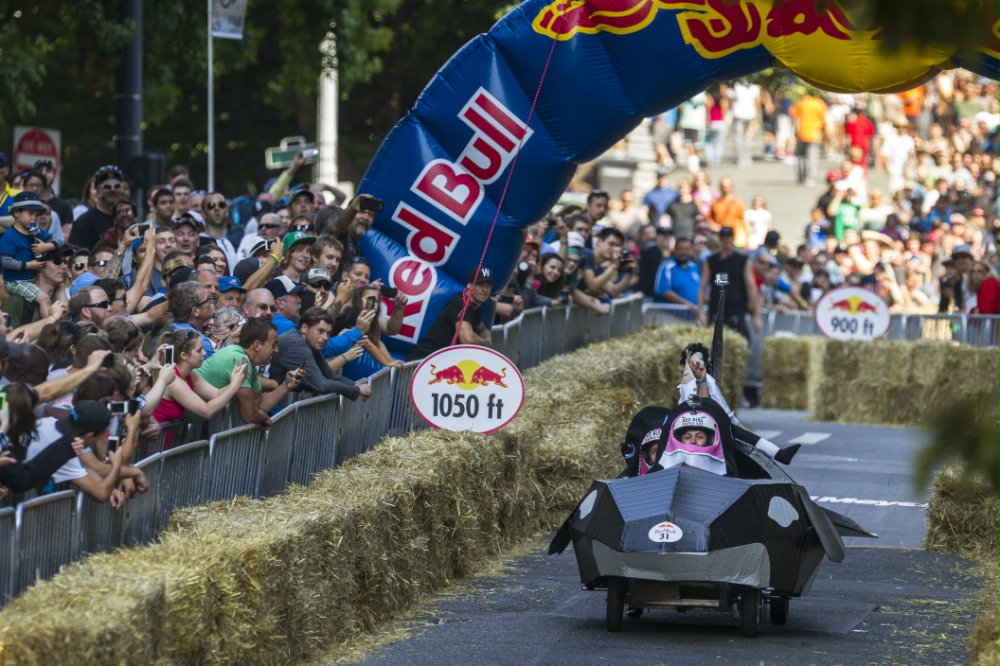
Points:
point(36, 143)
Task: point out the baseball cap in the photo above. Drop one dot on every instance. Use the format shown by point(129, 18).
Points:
point(246, 268)
point(182, 274)
point(189, 219)
point(108, 172)
point(44, 162)
point(317, 275)
point(87, 416)
point(480, 275)
point(64, 252)
point(297, 237)
point(230, 283)
point(302, 192)
point(661, 171)
point(259, 245)
point(283, 286)
point(172, 265)
point(726, 232)
point(26, 201)
point(962, 249)
point(10, 349)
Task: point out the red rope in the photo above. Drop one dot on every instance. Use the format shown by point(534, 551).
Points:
point(467, 296)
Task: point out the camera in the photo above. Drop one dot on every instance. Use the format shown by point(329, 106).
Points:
point(372, 204)
point(523, 267)
point(309, 155)
point(504, 298)
point(142, 227)
point(124, 407)
point(388, 292)
point(168, 354)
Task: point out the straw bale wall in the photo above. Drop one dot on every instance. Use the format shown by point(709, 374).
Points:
point(269, 582)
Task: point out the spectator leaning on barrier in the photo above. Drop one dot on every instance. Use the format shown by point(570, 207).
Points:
point(193, 394)
point(471, 330)
point(257, 345)
point(617, 270)
point(301, 348)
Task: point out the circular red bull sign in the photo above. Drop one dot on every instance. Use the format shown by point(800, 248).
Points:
point(467, 388)
point(852, 313)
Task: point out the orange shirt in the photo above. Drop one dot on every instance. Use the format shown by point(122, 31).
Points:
point(913, 101)
point(811, 115)
point(729, 212)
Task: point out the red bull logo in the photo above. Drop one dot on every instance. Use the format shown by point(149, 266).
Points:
point(715, 28)
point(853, 305)
point(468, 375)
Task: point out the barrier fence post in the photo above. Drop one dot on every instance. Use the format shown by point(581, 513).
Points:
point(44, 537)
point(279, 450)
point(142, 517)
point(8, 554)
point(183, 475)
point(234, 462)
point(100, 526)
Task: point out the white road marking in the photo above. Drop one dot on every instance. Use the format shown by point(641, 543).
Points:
point(810, 438)
point(769, 434)
point(867, 502)
point(821, 458)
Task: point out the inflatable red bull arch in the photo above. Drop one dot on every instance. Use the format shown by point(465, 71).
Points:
point(497, 134)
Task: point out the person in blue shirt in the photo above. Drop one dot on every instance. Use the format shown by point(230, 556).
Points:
point(20, 249)
point(679, 277)
point(659, 198)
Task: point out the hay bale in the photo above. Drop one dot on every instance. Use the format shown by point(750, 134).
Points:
point(984, 642)
point(788, 366)
point(262, 582)
point(962, 515)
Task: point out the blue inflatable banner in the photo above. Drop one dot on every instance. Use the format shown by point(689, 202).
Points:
point(585, 73)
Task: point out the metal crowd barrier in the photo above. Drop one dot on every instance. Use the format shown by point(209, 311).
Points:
point(306, 437)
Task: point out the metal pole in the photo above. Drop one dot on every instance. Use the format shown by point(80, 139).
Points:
point(327, 115)
point(211, 106)
point(128, 94)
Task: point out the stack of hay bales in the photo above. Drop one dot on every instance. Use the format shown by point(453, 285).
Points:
point(883, 381)
point(263, 582)
point(962, 518)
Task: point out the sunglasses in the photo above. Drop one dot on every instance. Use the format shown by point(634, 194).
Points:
point(302, 227)
point(321, 285)
point(270, 226)
point(79, 266)
point(212, 205)
point(101, 263)
point(103, 305)
point(111, 186)
point(265, 307)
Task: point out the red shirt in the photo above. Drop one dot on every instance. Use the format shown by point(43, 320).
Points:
point(860, 130)
point(988, 297)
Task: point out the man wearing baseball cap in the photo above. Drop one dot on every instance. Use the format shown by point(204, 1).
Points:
point(471, 329)
point(86, 422)
point(231, 292)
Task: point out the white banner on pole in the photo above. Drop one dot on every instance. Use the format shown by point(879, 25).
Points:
point(227, 18)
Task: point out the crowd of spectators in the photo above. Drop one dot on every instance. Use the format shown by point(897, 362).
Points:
point(171, 311)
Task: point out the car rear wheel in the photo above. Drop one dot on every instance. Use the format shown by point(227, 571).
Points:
point(779, 610)
point(750, 612)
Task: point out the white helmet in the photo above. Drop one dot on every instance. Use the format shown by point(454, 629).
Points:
point(698, 420)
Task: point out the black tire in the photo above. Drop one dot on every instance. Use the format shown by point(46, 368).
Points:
point(616, 603)
point(750, 612)
point(779, 610)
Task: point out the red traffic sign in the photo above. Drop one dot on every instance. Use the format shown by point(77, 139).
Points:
point(36, 143)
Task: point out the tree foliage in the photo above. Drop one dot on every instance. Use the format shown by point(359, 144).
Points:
point(59, 61)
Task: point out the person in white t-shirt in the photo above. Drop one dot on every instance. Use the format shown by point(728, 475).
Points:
point(745, 107)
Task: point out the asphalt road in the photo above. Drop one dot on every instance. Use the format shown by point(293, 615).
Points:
point(888, 602)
